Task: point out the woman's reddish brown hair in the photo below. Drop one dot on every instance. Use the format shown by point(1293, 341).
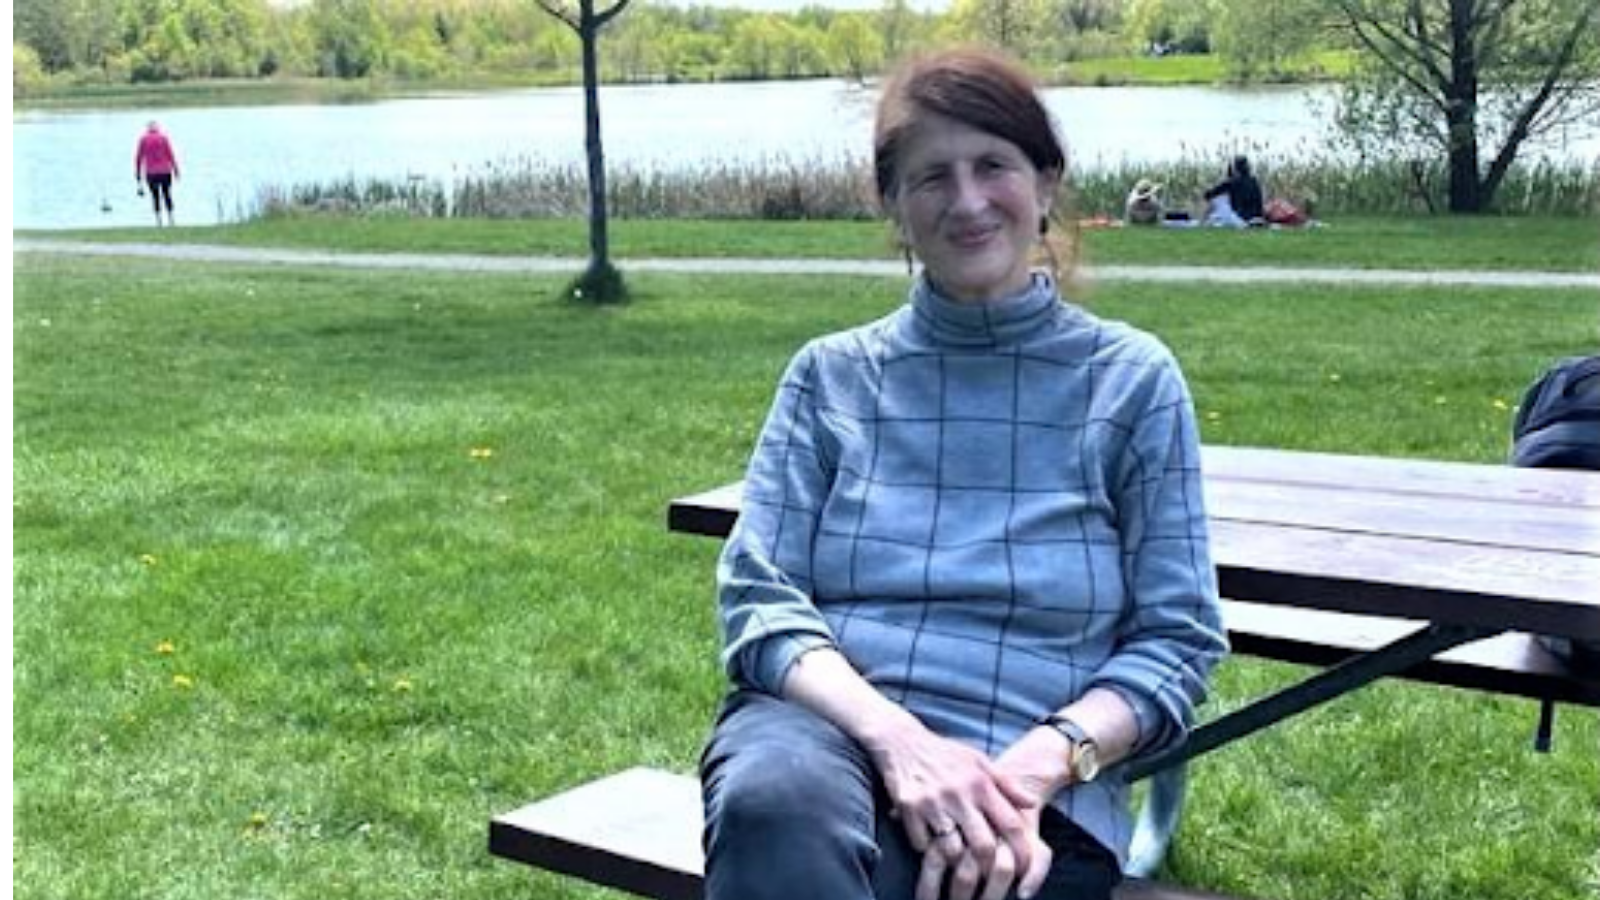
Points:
point(988, 91)
point(974, 86)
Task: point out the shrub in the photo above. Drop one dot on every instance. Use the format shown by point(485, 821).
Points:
point(783, 189)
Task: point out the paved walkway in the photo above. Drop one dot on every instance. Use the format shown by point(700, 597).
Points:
point(878, 268)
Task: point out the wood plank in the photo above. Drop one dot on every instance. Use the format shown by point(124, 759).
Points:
point(1515, 664)
point(1419, 477)
point(1446, 518)
point(639, 831)
point(709, 513)
point(1496, 588)
point(1504, 588)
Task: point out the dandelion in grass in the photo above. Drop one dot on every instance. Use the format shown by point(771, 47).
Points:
point(257, 821)
point(182, 682)
point(402, 685)
point(1501, 405)
point(148, 559)
point(481, 453)
point(165, 648)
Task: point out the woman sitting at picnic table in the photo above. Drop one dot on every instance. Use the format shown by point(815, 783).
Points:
point(972, 567)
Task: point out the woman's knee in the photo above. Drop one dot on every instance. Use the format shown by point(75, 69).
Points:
point(773, 779)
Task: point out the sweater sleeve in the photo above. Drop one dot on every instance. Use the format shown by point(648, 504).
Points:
point(764, 576)
point(1172, 634)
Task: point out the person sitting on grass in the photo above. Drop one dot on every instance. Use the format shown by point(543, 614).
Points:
point(1235, 201)
point(972, 565)
point(1144, 205)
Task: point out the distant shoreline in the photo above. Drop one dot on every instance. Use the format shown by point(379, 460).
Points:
point(1112, 72)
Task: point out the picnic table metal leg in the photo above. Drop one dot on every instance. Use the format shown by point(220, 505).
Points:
point(1332, 682)
point(1158, 821)
point(1163, 807)
point(1544, 736)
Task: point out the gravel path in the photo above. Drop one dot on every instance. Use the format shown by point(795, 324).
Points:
point(880, 268)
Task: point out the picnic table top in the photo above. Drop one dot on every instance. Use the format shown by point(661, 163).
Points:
point(1486, 546)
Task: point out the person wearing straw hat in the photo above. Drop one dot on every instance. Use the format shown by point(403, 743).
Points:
point(1144, 204)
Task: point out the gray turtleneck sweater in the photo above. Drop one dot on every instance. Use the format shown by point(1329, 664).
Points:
point(988, 509)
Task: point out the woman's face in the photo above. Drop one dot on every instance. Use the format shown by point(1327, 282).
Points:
point(968, 204)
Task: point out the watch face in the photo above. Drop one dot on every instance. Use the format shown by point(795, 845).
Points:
point(1085, 762)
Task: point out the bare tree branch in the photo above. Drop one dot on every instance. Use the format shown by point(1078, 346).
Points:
point(560, 12)
point(1428, 49)
point(1392, 47)
point(606, 15)
point(1492, 13)
point(1387, 50)
point(1526, 121)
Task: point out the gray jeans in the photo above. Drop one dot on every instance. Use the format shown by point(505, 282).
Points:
point(794, 809)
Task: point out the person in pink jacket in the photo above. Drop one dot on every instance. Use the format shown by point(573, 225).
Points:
point(156, 165)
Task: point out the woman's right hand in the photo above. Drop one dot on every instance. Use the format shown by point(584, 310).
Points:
point(963, 813)
point(961, 810)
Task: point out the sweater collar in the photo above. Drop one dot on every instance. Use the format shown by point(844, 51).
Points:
point(1008, 320)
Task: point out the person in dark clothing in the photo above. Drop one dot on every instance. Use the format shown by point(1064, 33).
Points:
point(1243, 194)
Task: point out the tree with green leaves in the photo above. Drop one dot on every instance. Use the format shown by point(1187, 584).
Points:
point(352, 38)
point(854, 48)
point(1474, 80)
point(1264, 37)
point(900, 27)
point(755, 47)
point(1182, 25)
point(600, 282)
point(1011, 25)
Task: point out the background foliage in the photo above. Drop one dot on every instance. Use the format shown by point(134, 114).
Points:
point(119, 41)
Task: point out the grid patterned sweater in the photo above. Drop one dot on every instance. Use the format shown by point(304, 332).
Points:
point(988, 509)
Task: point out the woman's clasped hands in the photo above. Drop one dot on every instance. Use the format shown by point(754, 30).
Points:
point(975, 822)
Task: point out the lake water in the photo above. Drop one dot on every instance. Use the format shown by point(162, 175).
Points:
point(68, 167)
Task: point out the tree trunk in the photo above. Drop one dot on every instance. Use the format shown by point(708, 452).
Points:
point(599, 242)
point(1461, 111)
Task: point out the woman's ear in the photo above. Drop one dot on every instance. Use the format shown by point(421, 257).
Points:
point(1049, 182)
point(899, 226)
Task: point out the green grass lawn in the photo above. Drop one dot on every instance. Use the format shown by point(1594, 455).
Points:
point(316, 570)
point(1191, 69)
point(1478, 243)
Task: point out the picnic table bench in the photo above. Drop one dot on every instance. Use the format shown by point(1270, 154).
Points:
point(1371, 567)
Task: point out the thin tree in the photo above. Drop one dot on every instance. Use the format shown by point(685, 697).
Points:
point(600, 282)
point(1459, 74)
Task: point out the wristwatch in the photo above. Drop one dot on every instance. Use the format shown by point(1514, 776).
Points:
point(1083, 760)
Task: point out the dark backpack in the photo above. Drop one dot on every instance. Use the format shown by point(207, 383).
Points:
point(1558, 424)
point(1558, 427)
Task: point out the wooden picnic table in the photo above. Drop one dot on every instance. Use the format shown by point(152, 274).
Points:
point(1372, 567)
point(1481, 546)
point(1375, 567)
